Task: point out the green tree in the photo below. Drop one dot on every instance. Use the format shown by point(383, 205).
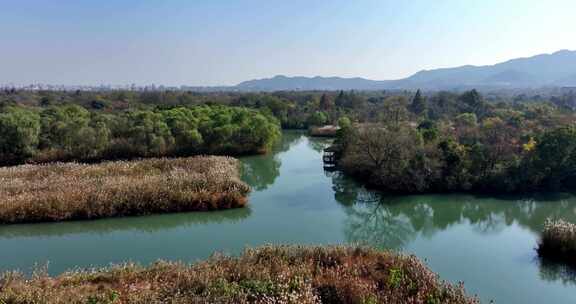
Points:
point(555, 157)
point(20, 130)
point(317, 119)
point(473, 102)
point(183, 124)
point(62, 127)
point(344, 122)
point(148, 133)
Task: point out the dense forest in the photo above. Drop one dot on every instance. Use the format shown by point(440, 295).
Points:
point(72, 132)
point(468, 144)
point(398, 141)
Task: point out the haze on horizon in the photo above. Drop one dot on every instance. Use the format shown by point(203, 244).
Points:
point(225, 42)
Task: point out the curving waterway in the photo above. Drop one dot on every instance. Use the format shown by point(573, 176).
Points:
point(486, 242)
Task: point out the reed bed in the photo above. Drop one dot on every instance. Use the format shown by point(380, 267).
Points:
point(558, 241)
point(324, 131)
point(271, 274)
point(73, 191)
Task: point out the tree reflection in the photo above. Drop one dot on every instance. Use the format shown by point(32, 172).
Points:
point(318, 144)
point(261, 171)
point(553, 272)
point(376, 226)
point(393, 221)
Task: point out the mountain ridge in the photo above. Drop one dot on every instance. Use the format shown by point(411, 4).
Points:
point(542, 70)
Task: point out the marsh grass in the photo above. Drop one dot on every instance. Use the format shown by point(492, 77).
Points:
point(323, 131)
point(73, 191)
point(558, 241)
point(284, 274)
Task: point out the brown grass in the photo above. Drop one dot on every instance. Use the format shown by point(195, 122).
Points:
point(287, 274)
point(72, 191)
point(558, 241)
point(323, 131)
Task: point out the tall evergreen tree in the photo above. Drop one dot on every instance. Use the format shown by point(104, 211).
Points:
point(341, 99)
point(418, 105)
point(326, 103)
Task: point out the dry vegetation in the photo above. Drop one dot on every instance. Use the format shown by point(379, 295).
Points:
point(265, 275)
point(324, 131)
point(558, 241)
point(72, 191)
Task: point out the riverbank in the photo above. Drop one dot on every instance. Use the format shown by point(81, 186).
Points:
point(72, 191)
point(286, 274)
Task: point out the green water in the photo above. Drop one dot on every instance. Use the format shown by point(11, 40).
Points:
point(486, 242)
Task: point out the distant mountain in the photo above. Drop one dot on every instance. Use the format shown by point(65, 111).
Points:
point(557, 69)
point(281, 82)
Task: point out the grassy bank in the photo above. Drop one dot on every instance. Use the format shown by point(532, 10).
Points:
point(558, 241)
point(72, 191)
point(264, 275)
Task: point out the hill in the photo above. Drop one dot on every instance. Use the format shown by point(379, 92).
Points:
point(545, 70)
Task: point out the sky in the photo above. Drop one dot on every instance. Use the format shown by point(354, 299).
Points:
point(224, 42)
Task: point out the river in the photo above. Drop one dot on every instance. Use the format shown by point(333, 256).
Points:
point(486, 242)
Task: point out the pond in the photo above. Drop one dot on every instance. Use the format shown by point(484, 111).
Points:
point(486, 242)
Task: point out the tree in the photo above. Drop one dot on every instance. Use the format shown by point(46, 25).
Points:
point(99, 103)
point(466, 120)
point(473, 102)
point(455, 167)
point(317, 119)
point(183, 124)
point(394, 111)
point(429, 130)
point(62, 125)
point(555, 156)
point(148, 134)
point(390, 158)
point(340, 99)
point(19, 134)
point(466, 128)
point(46, 101)
point(344, 122)
point(326, 103)
point(419, 105)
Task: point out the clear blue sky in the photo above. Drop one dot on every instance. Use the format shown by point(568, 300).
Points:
point(222, 42)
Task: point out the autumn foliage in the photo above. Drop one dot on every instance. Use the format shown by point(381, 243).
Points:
point(285, 274)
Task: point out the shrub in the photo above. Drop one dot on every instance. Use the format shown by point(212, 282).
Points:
point(285, 274)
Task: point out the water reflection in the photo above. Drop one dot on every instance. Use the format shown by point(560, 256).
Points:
point(552, 271)
point(393, 221)
point(318, 144)
point(377, 226)
point(147, 224)
point(261, 171)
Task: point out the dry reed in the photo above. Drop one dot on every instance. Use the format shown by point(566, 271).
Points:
point(558, 241)
point(285, 274)
point(72, 191)
point(324, 131)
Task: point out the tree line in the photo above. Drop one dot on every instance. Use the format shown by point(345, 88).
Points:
point(396, 140)
point(72, 132)
point(429, 145)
